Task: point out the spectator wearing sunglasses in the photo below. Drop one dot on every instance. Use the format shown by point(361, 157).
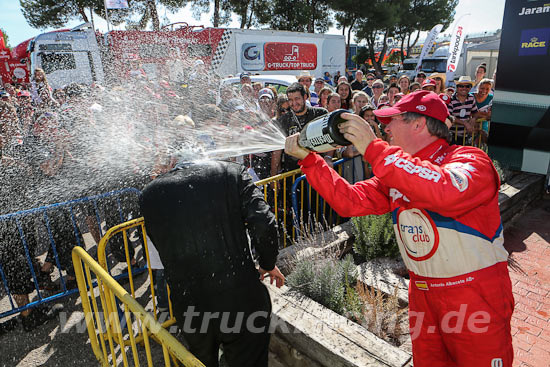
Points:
point(463, 108)
point(370, 80)
point(377, 91)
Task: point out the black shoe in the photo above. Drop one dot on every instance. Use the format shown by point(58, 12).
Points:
point(40, 315)
point(8, 325)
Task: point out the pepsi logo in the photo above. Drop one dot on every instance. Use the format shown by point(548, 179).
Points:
point(417, 233)
point(451, 68)
point(421, 108)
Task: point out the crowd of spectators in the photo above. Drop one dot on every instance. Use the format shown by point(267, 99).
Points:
point(83, 140)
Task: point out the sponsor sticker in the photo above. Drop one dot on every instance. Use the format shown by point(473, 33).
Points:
point(421, 284)
point(396, 195)
point(290, 56)
point(534, 42)
point(535, 10)
point(252, 56)
point(411, 168)
point(459, 174)
point(417, 233)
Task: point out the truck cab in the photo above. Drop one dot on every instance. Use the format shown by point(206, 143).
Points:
point(409, 68)
point(67, 56)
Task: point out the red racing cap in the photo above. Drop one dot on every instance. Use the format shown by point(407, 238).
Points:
point(429, 82)
point(421, 101)
point(445, 98)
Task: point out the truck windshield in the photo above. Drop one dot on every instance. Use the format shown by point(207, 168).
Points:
point(434, 65)
point(57, 61)
point(409, 66)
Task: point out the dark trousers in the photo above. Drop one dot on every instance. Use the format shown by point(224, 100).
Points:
point(246, 346)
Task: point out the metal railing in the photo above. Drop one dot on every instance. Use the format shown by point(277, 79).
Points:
point(102, 260)
point(105, 303)
point(477, 138)
point(24, 223)
point(290, 203)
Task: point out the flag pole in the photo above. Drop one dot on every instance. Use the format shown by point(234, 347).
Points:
point(106, 14)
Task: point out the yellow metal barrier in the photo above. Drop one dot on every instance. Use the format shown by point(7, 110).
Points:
point(102, 259)
point(104, 332)
point(476, 139)
point(280, 182)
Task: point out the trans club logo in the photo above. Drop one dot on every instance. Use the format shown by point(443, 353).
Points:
point(417, 233)
point(534, 42)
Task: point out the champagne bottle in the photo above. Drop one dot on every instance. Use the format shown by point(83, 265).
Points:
point(322, 134)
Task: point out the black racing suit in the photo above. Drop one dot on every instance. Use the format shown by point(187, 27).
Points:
point(198, 216)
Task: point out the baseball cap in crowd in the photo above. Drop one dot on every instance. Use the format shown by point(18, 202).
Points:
point(445, 98)
point(320, 80)
point(4, 94)
point(23, 93)
point(421, 73)
point(428, 83)
point(244, 75)
point(265, 92)
point(422, 102)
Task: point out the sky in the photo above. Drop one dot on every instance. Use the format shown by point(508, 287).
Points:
point(485, 15)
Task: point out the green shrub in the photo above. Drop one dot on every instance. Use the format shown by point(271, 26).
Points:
point(374, 237)
point(325, 282)
point(334, 284)
point(503, 172)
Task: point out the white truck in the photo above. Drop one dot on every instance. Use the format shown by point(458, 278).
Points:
point(67, 56)
point(81, 55)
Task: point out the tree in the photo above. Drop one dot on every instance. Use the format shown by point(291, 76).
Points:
point(297, 15)
point(146, 10)
point(346, 20)
point(361, 56)
point(378, 23)
point(222, 11)
point(52, 13)
point(441, 11)
point(250, 12)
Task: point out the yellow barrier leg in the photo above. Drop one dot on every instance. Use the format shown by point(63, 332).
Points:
point(77, 263)
point(96, 313)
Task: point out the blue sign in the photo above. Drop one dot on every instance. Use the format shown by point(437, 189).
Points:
point(534, 42)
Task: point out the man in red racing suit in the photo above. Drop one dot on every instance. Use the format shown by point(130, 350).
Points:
point(444, 203)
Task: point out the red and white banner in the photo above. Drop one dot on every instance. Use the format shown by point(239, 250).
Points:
point(455, 48)
point(290, 56)
point(116, 4)
point(428, 43)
